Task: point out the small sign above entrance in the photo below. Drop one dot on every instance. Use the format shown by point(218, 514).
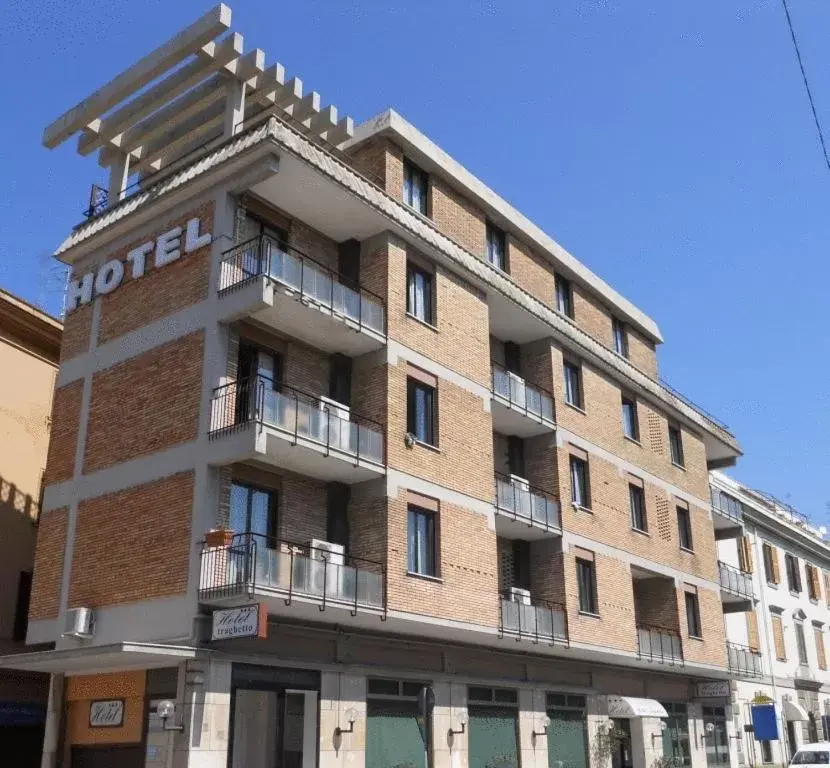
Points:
point(244, 621)
point(106, 714)
point(713, 689)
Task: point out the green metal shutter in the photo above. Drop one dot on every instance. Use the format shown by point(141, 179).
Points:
point(567, 739)
point(393, 739)
point(493, 741)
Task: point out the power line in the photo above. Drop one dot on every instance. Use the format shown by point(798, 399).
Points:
point(806, 84)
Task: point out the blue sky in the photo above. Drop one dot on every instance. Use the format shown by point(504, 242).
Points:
point(667, 145)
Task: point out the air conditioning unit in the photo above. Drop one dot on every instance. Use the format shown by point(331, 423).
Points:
point(518, 595)
point(517, 388)
point(79, 623)
point(521, 495)
point(520, 482)
point(335, 425)
point(326, 572)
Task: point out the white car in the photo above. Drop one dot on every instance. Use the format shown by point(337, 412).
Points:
point(809, 755)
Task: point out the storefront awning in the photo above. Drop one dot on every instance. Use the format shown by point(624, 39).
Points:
point(629, 706)
point(100, 658)
point(794, 711)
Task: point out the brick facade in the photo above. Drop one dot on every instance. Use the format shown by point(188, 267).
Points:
point(66, 420)
point(48, 571)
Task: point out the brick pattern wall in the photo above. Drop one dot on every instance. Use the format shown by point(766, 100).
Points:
point(66, 419)
point(313, 244)
point(642, 353)
point(711, 649)
point(456, 217)
point(77, 329)
point(541, 463)
point(655, 604)
point(133, 544)
point(160, 292)
point(145, 404)
point(48, 570)
point(530, 271)
point(592, 316)
point(302, 509)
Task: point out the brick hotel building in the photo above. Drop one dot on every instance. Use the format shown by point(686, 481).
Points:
point(324, 371)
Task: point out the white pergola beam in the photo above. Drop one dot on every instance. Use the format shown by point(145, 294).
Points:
point(175, 50)
point(251, 65)
point(343, 131)
point(290, 94)
point(307, 107)
point(160, 94)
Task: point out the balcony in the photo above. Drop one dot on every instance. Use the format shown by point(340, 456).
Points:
point(736, 590)
point(518, 407)
point(659, 645)
point(727, 515)
point(524, 512)
point(539, 621)
point(744, 661)
point(284, 289)
point(283, 574)
point(287, 428)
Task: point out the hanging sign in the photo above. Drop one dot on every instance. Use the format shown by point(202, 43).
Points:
point(244, 621)
point(107, 713)
point(712, 689)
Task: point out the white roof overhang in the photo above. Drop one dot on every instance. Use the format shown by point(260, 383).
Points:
point(630, 706)
point(794, 711)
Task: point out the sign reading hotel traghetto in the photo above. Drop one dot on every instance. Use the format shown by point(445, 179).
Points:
point(166, 248)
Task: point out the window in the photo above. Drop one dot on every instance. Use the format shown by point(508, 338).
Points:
point(801, 642)
point(415, 186)
point(573, 384)
point(813, 588)
point(637, 504)
point(21, 609)
point(580, 485)
point(778, 637)
point(586, 578)
point(766, 751)
point(770, 563)
point(422, 548)
point(684, 528)
point(564, 296)
point(421, 411)
point(821, 656)
point(631, 428)
point(495, 247)
point(254, 510)
point(620, 337)
point(419, 301)
point(793, 573)
point(693, 615)
point(676, 445)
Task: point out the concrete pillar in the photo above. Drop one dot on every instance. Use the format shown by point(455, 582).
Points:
point(119, 178)
point(598, 724)
point(54, 713)
point(449, 749)
point(533, 737)
point(341, 695)
point(646, 741)
point(234, 107)
point(203, 705)
point(697, 734)
point(733, 733)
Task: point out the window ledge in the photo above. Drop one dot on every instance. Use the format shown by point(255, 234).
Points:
point(422, 322)
point(699, 638)
point(687, 550)
point(772, 584)
point(590, 615)
point(577, 408)
point(632, 440)
point(580, 508)
point(679, 466)
point(425, 577)
point(428, 446)
point(640, 531)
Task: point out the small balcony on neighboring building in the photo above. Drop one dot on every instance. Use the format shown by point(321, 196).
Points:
point(303, 579)
point(526, 618)
point(656, 616)
point(736, 589)
point(256, 419)
point(518, 407)
point(265, 280)
point(727, 515)
point(744, 661)
point(524, 511)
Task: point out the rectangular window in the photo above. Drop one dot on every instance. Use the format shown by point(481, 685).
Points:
point(801, 642)
point(587, 584)
point(813, 587)
point(421, 411)
point(631, 427)
point(495, 247)
point(564, 296)
point(684, 528)
point(573, 384)
point(419, 301)
point(693, 615)
point(793, 573)
point(637, 505)
point(254, 510)
point(818, 635)
point(415, 187)
point(778, 638)
point(620, 338)
point(676, 445)
point(745, 561)
point(770, 564)
point(422, 551)
point(580, 484)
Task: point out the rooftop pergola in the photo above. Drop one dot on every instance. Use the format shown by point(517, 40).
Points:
point(196, 90)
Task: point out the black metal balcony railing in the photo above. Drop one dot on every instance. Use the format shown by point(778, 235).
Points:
point(538, 620)
point(315, 282)
point(297, 415)
point(735, 581)
point(522, 501)
point(744, 661)
point(726, 505)
point(532, 400)
point(659, 644)
point(255, 564)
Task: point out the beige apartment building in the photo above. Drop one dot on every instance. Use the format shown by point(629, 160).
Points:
point(29, 350)
point(351, 464)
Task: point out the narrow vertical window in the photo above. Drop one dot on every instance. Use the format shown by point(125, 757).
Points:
point(620, 337)
point(496, 247)
point(684, 528)
point(573, 384)
point(422, 542)
point(419, 293)
point(637, 505)
point(693, 615)
point(415, 185)
point(586, 578)
point(676, 445)
point(564, 296)
point(580, 485)
point(421, 414)
point(631, 427)
point(801, 643)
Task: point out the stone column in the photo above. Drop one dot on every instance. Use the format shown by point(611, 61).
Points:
point(533, 737)
point(646, 741)
point(54, 714)
point(340, 695)
point(449, 749)
point(203, 706)
point(697, 734)
point(598, 724)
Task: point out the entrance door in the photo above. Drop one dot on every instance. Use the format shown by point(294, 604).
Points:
point(274, 729)
point(621, 744)
point(717, 744)
point(131, 756)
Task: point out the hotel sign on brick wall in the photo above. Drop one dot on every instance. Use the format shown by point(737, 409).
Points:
point(244, 621)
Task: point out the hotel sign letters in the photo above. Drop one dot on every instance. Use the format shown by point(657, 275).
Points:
point(245, 621)
point(166, 248)
point(106, 714)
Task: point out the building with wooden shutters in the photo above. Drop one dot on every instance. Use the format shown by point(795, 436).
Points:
point(776, 640)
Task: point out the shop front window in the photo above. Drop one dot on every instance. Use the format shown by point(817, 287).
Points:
point(567, 732)
point(676, 735)
point(716, 740)
point(493, 728)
